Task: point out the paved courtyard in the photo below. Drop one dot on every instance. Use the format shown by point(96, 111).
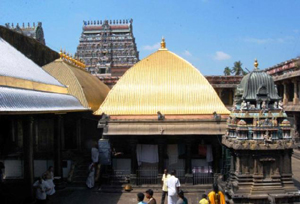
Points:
point(83, 195)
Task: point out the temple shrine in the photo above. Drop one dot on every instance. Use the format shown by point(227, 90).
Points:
point(259, 140)
point(163, 113)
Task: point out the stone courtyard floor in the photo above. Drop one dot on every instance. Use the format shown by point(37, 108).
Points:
point(83, 195)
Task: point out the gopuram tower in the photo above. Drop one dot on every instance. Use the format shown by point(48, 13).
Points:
point(259, 139)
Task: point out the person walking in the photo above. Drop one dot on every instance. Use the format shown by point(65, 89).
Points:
point(173, 185)
point(216, 196)
point(164, 185)
point(140, 198)
point(149, 196)
point(182, 199)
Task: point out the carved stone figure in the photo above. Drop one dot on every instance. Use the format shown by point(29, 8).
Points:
point(267, 139)
point(280, 105)
point(243, 105)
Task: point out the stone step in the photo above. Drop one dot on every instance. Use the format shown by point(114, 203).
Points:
point(156, 188)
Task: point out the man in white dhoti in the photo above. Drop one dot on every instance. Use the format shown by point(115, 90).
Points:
point(90, 181)
point(173, 188)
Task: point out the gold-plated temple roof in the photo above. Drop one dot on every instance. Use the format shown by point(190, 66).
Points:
point(89, 90)
point(162, 82)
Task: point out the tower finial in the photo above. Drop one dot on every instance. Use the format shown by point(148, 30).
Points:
point(162, 43)
point(255, 64)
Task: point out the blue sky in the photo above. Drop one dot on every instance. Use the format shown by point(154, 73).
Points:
point(210, 34)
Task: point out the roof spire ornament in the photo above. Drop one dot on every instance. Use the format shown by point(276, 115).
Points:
point(255, 64)
point(162, 43)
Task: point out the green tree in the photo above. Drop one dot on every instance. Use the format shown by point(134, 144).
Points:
point(227, 71)
point(237, 68)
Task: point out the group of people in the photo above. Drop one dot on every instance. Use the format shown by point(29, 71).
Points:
point(45, 186)
point(171, 188)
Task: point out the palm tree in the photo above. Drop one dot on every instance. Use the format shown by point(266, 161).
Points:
point(237, 68)
point(227, 71)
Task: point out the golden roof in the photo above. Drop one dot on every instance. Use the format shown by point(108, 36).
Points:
point(163, 82)
point(89, 90)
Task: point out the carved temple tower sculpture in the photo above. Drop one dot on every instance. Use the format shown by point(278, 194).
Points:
point(260, 142)
point(108, 47)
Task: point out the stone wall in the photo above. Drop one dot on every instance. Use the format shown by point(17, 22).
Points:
point(37, 52)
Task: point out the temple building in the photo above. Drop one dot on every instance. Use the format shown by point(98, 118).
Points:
point(169, 116)
point(286, 76)
point(108, 47)
point(32, 112)
point(35, 31)
point(46, 120)
point(259, 140)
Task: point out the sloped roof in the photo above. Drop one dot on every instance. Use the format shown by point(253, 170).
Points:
point(89, 90)
point(162, 82)
point(26, 87)
point(15, 64)
point(14, 100)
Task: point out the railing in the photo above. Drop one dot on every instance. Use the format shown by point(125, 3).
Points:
point(120, 176)
point(180, 174)
point(147, 176)
point(204, 178)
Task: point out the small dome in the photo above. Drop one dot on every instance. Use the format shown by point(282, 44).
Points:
point(257, 85)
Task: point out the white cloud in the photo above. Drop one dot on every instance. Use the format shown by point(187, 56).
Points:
point(187, 53)
point(151, 47)
point(268, 40)
point(221, 56)
point(258, 40)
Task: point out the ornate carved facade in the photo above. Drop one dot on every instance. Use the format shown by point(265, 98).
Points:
point(35, 32)
point(260, 141)
point(108, 46)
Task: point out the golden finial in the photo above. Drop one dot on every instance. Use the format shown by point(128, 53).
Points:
point(60, 54)
point(162, 43)
point(255, 64)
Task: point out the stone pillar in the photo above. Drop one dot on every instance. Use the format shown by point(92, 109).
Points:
point(78, 133)
point(285, 98)
point(255, 168)
point(28, 129)
point(220, 92)
point(238, 165)
point(232, 163)
point(231, 95)
point(161, 153)
point(295, 99)
point(58, 135)
point(133, 176)
point(188, 162)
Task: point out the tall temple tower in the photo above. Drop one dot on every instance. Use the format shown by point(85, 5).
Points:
point(108, 47)
point(259, 138)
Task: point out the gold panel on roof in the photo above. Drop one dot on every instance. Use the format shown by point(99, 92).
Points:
point(32, 85)
point(162, 82)
point(89, 90)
